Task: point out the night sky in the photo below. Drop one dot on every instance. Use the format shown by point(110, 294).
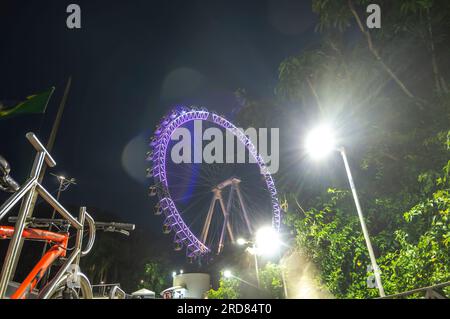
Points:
point(130, 63)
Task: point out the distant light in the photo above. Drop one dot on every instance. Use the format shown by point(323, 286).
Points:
point(252, 250)
point(174, 273)
point(241, 241)
point(320, 142)
point(227, 274)
point(267, 241)
point(181, 271)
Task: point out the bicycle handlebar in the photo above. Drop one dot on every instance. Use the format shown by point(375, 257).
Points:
point(92, 228)
point(123, 226)
point(40, 148)
point(108, 227)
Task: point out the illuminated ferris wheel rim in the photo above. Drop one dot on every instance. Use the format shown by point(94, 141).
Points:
point(159, 145)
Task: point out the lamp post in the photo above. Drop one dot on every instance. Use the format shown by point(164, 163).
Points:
point(266, 243)
point(252, 251)
point(320, 143)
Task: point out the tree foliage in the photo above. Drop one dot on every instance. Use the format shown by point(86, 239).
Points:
point(271, 280)
point(229, 288)
point(154, 277)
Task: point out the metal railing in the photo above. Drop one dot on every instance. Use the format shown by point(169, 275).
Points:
point(430, 292)
point(109, 291)
point(31, 188)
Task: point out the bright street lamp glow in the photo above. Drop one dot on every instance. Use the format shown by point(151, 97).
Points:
point(241, 241)
point(181, 271)
point(227, 274)
point(320, 142)
point(174, 274)
point(267, 241)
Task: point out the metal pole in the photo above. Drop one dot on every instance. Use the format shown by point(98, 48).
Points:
point(53, 215)
point(204, 234)
point(225, 214)
point(12, 255)
point(225, 221)
point(373, 260)
point(63, 185)
point(256, 265)
point(284, 283)
point(244, 210)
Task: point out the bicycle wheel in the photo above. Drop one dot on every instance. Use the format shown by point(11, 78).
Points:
point(62, 291)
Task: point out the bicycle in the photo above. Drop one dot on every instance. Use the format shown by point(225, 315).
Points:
point(69, 282)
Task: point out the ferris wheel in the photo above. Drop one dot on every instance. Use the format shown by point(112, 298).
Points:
point(206, 205)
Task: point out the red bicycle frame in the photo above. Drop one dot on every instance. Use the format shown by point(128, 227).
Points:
point(59, 249)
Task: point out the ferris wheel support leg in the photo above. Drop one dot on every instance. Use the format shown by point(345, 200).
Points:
point(205, 230)
point(244, 210)
point(226, 220)
point(225, 214)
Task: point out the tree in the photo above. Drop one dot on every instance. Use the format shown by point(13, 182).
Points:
point(154, 277)
point(229, 288)
point(271, 280)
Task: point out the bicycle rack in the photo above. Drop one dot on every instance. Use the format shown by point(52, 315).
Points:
point(28, 193)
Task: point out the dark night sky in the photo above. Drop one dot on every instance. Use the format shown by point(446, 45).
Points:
point(130, 62)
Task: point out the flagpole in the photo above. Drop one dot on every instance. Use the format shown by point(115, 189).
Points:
point(50, 144)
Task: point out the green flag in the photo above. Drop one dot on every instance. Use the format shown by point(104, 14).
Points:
point(34, 104)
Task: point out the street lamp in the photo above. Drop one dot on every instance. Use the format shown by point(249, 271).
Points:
point(321, 142)
point(227, 274)
point(266, 243)
point(253, 251)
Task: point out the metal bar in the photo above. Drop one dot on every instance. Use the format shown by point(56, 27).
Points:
point(11, 201)
point(116, 290)
point(79, 238)
point(44, 248)
point(225, 213)
point(256, 265)
point(40, 148)
point(92, 229)
point(225, 220)
point(40, 176)
point(205, 230)
point(56, 205)
point(373, 260)
point(15, 244)
point(283, 277)
point(244, 210)
point(51, 286)
point(418, 290)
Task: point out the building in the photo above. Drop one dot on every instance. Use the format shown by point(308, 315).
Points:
point(188, 286)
